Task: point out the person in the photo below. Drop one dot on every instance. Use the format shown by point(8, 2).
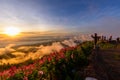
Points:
point(95, 37)
point(118, 39)
point(110, 39)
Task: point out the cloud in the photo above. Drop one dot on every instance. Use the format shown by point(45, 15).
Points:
point(69, 43)
point(7, 49)
point(16, 55)
point(56, 46)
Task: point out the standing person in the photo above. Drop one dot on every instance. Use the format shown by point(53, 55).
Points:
point(96, 38)
point(110, 39)
point(118, 39)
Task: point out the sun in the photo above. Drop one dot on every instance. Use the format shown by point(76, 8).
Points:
point(12, 31)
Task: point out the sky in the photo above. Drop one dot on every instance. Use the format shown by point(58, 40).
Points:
point(102, 16)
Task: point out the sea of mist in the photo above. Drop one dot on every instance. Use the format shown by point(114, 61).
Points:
point(14, 50)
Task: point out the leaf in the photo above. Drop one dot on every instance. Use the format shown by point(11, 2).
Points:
point(68, 78)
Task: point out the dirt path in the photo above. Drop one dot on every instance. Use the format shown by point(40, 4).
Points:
point(105, 64)
point(110, 61)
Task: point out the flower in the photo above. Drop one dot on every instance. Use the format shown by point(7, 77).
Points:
point(25, 78)
point(40, 72)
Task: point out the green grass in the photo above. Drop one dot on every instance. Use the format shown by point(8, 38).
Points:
point(105, 45)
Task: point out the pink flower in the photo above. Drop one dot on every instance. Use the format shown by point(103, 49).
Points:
point(40, 73)
point(25, 78)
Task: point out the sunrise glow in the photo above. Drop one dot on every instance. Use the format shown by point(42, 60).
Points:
point(12, 31)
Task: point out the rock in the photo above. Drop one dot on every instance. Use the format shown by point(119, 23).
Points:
point(90, 78)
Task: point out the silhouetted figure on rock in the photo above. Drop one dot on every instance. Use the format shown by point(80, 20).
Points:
point(96, 38)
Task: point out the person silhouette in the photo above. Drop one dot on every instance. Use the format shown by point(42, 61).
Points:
point(118, 39)
point(110, 39)
point(96, 38)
